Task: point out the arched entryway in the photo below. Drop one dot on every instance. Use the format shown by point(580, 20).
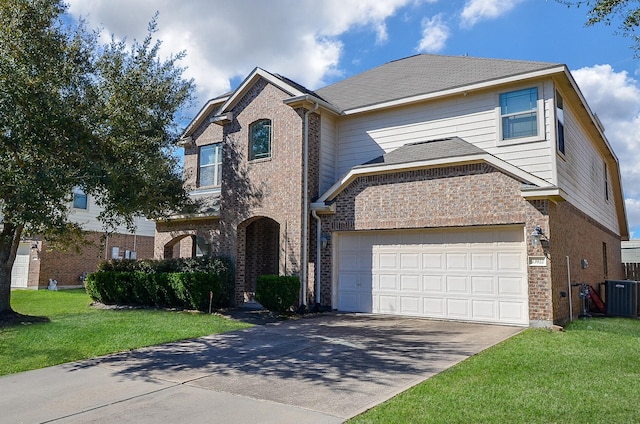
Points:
point(187, 246)
point(261, 253)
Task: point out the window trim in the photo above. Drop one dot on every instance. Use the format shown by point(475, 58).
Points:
point(605, 170)
point(540, 117)
point(216, 164)
point(268, 155)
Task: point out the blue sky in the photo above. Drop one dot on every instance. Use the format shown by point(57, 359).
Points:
point(319, 42)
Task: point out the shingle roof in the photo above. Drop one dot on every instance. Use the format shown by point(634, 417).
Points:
point(421, 74)
point(424, 151)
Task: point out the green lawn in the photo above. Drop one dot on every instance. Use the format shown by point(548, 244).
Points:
point(78, 331)
point(588, 374)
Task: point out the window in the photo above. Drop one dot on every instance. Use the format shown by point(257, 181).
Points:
point(606, 181)
point(260, 139)
point(79, 199)
point(519, 113)
point(560, 122)
point(605, 266)
point(210, 171)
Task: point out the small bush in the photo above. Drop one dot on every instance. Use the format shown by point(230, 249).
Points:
point(278, 293)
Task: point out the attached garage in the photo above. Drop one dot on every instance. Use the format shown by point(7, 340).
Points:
point(477, 274)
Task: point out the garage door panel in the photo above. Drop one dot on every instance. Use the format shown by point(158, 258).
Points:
point(483, 285)
point(388, 282)
point(483, 262)
point(433, 284)
point(508, 261)
point(410, 283)
point(458, 308)
point(456, 261)
point(433, 306)
point(476, 275)
point(457, 284)
point(433, 261)
point(410, 261)
point(484, 309)
point(511, 286)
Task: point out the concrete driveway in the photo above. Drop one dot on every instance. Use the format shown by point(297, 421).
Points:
point(322, 369)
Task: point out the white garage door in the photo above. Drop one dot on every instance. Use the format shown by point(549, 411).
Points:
point(471, 275)
point(20, 270)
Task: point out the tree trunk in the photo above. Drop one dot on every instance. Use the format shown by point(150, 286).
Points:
point(9, 241)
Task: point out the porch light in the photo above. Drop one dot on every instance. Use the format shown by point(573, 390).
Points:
point(324, 241)
point(539, 238)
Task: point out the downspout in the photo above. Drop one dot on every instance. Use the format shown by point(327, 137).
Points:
point(305, 201)
point(318, 255)
point(569, 285)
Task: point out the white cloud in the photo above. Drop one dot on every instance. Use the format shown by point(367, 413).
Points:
point(477, 10)
point(615, 98)
point(226, 40)
point(435, 33)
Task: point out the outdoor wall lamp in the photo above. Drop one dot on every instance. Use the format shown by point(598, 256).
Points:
point(539, 238)
point(324, 241)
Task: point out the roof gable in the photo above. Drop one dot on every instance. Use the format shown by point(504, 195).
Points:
point(422, 74)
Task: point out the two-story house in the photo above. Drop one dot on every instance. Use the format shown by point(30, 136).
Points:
point(448, 187)
point(38, 262)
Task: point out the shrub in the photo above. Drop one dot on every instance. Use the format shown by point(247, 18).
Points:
point(182, 283)
point(278, 293)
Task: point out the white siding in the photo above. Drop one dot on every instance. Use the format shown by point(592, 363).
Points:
point(474, 118)
point(87, 219)
point(581, 174)
point(327, 152)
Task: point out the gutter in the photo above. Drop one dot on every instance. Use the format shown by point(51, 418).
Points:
point(305, 201)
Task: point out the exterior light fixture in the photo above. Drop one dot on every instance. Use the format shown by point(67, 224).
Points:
point(539, 238)
point(324, 241)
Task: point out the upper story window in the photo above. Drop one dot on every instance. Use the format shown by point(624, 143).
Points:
point(210, 170)
point(560, 122)
point(80, 200)
point(519, 113)
point(260, 139)
point(606, 181)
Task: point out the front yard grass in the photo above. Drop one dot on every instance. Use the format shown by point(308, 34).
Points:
point(79, 331)
point(589, 373)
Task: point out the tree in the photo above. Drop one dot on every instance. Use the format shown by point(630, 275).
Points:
point(608, 11)
point(74, 113)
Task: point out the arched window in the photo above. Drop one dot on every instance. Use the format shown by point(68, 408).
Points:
point(260, 139)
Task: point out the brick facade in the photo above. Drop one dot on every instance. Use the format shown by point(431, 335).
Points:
point(67, 267)
point(256, 197)
point(457, 196)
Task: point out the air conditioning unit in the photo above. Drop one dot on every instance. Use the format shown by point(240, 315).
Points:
point(621, 298)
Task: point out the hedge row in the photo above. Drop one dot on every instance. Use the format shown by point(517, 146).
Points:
point(179, 283)
point(178, 290)
point(278, 293)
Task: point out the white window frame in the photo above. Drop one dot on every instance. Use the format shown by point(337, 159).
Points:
point(267, 155)
point(216, 165)
point(540, 136)
point(560, 115)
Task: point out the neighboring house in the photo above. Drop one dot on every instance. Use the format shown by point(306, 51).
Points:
point(410, 189)
point(37, 262)
point(631, 252)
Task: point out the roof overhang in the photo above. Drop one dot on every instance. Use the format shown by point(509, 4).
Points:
point(308, 101)
point(200, 118)
point(507, 168)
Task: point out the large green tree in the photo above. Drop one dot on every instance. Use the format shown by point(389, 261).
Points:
point(75, 113)
point(624, 13)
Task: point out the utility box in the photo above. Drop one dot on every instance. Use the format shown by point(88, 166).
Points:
point(621, 298)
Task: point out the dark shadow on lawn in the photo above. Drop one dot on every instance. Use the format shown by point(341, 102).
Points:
point(13, 319)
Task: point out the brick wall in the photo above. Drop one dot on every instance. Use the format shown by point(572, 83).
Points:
point(577, 236)
point(67, 267)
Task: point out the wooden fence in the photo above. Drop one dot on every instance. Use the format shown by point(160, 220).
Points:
point(632, 271)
